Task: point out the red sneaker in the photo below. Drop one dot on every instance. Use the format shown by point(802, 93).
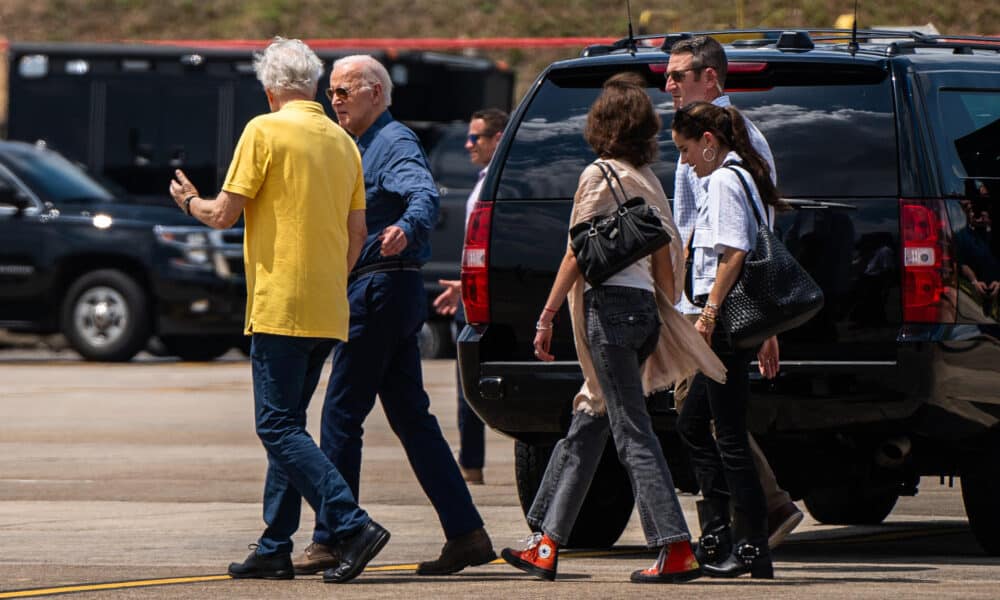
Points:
point(676, 564)
point(539, 557)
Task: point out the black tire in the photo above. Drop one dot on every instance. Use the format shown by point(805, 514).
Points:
point(105, 316)
point(435, 339)
point(851, 504)
point(607, 507)
point(981, 496)
point(196, 348)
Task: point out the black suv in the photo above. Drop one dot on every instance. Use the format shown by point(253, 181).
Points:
point(887, 149)
point(108, 273)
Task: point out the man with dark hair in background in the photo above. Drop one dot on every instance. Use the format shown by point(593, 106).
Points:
point(485, 128)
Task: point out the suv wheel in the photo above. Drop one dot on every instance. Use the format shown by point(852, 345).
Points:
point(607, 507)
point(105, 316)
point(981, 495)
point(197, 348)
point(851, 504)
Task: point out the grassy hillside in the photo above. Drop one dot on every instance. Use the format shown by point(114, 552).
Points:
point(94, 20)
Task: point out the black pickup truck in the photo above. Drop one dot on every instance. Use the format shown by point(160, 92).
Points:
point(109, 273)
point(887, 150)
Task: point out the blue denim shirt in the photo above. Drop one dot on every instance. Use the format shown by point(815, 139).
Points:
point(399, 190)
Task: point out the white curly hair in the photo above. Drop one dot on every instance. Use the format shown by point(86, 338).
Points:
point(288, 65)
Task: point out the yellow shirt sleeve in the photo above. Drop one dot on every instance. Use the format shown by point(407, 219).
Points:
point(358, 201)
point(250, 161)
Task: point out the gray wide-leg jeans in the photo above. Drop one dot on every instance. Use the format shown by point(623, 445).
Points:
point(622, 329)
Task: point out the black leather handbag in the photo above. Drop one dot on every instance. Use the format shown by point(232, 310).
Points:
point(604, 245)
point(773, 293)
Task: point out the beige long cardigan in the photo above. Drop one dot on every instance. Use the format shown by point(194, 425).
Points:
point(681, 351)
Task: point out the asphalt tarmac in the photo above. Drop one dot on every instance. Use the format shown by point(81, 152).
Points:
point(144, 480)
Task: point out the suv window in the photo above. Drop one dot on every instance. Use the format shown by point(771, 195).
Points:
point(967, 128)
point(549, 152)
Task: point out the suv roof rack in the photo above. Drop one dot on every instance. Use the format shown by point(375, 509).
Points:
point(881, 41)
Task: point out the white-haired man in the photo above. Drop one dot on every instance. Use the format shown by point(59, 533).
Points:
point(298, 179)
point(388, 308)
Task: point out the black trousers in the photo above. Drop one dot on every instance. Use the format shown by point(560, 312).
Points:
point(723, 463)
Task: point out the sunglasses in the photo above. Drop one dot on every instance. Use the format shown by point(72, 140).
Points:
point(474, 137)
point(342, 93)
point(678, 75)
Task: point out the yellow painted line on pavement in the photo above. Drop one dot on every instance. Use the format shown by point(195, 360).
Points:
point(97, 587)
point(409, 567)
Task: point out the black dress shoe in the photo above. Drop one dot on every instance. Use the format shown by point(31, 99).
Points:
point(275, 566)
point(356, 551)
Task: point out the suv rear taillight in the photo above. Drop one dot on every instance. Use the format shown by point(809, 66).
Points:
point(929, 275)
point(475, 265)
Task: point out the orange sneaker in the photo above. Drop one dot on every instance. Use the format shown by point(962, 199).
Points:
point(676, 564)
point(539, 557)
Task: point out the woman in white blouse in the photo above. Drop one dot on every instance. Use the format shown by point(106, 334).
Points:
point(714, 141)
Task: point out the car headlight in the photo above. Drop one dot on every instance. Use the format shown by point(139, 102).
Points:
point(192, 242)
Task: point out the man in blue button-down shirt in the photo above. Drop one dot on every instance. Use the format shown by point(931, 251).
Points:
point(388, 308)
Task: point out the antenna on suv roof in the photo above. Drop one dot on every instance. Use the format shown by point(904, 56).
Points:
point(853, 46)
point(631, 38)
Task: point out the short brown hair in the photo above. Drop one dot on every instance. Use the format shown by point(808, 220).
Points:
point(495, 119)
point(705, 52)
point(622, 122)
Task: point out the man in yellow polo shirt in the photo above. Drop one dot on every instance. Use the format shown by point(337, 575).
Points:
point(297, 178)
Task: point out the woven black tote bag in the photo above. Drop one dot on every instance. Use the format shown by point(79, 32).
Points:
point(773, 293)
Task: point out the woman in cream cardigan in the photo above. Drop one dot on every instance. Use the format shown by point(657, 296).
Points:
point(630, 342)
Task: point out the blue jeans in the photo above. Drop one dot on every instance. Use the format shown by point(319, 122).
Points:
point(471, 432)
point(285, 373)
point(622, 330)
point(382, 357)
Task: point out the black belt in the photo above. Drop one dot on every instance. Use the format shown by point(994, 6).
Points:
point(384, 266)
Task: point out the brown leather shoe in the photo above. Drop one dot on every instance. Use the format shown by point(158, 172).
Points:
point(780, 522)
point(473, 476)
point(469, 550)
point(315, 558)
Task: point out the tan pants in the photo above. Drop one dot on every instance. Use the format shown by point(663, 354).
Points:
point(776, 497)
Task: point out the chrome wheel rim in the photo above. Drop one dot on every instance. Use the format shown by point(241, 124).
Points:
point(101, 316)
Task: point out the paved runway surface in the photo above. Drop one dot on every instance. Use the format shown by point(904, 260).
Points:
point(147, 477)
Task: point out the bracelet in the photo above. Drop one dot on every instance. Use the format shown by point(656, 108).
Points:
point(187, 204)
point(551, 310)
point(712, 305)
point(707, 318)
point(541, 326)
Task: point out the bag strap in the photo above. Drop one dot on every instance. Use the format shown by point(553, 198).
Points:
point(746, 188)
point(605, 168)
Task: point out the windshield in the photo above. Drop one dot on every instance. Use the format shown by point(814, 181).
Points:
point(53, 178)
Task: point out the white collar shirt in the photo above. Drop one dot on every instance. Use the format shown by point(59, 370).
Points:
point(724, 220)
point(474, 195)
